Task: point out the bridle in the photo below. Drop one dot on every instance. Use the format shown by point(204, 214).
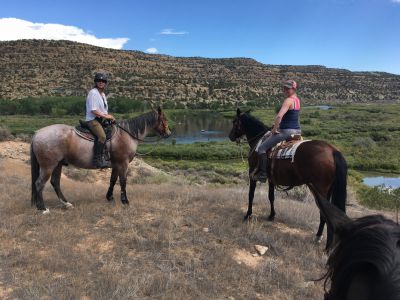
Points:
point(163, 124)
point(238, 128)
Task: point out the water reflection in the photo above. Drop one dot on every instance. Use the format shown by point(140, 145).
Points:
point(201, 127)
point(393, 182)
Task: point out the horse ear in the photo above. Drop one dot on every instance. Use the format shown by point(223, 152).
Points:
point(334, 216)
point(159, 109)
point(248, 111)
point(238, 112)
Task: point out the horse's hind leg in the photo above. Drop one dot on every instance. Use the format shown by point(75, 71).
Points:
point(44, 175)
point(113, 180)
point(322, 221)
point(122, 172)
point(325, 197)
point(55, 182)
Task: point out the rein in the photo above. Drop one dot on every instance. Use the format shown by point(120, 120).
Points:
point(140, 140)
point(128, 132)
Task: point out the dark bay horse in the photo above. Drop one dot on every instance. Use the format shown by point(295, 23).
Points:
point(365, 261)
point(317, 164)
point(57, 145)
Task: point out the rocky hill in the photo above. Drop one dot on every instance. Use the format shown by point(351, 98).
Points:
point(62, 68)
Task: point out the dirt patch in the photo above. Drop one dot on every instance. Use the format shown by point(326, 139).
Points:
point(5, 292)
point(251, 260)
point(290, 230)
point(15, 149)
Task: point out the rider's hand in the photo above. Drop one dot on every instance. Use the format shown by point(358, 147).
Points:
point(275, 131)
point(110, 117)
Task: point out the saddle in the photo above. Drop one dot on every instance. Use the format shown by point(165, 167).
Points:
point(84, 132)
point(289, 142)
point(285, 149)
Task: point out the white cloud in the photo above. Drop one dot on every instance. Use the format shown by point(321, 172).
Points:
point(17, 29)
point(152, 50)
point(396, 1)
point(170, 31)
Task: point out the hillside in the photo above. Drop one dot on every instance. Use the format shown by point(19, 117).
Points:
point(175, 240)
point(62, 68)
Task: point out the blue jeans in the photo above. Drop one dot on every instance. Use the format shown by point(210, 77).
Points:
point(274, 139)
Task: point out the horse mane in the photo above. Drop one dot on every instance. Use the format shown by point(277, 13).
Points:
point(138, 124)
point(252, 125)
point(368, 246)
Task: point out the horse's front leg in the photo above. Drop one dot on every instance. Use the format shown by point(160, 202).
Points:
point(318, 236)
point(123, 170)
point(253, 184)
point(113, 180)
point(271, 197)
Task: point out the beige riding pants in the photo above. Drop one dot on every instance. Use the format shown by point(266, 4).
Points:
point(96, 128)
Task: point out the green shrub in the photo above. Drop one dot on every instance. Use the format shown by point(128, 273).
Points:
point(5, 133)
point(364, 142)
point(378, 197)
point(58, 112)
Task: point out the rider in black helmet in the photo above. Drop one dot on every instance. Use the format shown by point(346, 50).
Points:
point(96, 112)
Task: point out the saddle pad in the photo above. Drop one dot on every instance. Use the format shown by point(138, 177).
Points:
point(289, 152)
point(87, 135)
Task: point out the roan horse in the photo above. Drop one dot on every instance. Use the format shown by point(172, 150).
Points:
point(365, 261)
point(57, 145)
point(317, 164)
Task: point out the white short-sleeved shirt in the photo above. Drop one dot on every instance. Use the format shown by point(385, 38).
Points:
point(95, 101)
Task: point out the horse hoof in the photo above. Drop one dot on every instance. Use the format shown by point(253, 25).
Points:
point(46, 211)
point(318, 239)
point(247, 218)
point(125, 202)
point(68, 205)
point(110, 198)
point(271, 218)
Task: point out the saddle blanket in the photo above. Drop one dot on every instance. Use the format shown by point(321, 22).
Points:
point(87, 134)
point(287, 152)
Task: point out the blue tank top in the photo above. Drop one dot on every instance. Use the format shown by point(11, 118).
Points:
point(290, 119)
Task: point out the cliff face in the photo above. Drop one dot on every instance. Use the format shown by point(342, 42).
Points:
point(62, 68)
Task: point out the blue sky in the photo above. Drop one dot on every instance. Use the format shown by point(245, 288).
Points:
point(353, 34)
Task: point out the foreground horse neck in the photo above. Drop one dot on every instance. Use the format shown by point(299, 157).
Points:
point(253, 136)
point(138, 128)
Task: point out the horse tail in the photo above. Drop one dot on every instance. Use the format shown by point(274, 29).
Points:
point(35, 170)
point(339, 189)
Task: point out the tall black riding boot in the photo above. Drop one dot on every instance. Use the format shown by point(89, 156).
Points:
point(262, 168)
point(98, 158)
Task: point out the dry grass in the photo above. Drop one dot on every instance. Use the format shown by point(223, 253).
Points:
point(157, 248)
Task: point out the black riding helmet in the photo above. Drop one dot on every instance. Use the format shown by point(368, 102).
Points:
point(100, 77)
